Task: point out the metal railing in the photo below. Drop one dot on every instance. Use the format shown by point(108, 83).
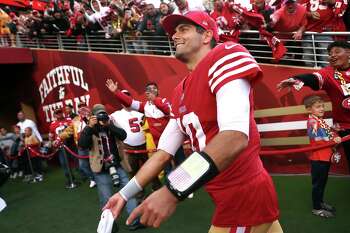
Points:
point(311, 51)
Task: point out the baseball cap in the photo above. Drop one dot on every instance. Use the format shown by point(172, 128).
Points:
point(199, 18)
point(98, 108)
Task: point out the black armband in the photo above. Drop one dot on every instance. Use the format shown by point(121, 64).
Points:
point(193, 173)
point(309, 80)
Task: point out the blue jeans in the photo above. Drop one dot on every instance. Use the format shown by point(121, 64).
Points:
point(84, 165)
point(105, 187)
point(63, 162)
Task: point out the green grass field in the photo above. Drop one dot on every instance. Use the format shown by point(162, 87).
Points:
point(48, 207)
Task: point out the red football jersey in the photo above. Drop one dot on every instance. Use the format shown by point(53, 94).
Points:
point(332, 86)
point(195, 110)
point(327, 17)
point(57, 127)
point(226, 19)
point(156, 112)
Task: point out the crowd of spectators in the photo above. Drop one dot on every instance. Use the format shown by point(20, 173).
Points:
point(144, 17)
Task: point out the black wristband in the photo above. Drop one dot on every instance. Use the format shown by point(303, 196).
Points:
point(210, 172)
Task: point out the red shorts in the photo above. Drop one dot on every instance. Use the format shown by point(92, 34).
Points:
point(247, 204)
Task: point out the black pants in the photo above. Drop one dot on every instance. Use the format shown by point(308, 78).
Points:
point(346, 145)
point(319, 175)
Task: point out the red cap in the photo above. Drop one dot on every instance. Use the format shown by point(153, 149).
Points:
point(199, 18)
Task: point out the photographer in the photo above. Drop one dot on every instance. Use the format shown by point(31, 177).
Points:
point(100, 137)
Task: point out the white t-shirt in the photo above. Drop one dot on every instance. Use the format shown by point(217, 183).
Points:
point(29, 123)
point(130, 121)
point(192, 5)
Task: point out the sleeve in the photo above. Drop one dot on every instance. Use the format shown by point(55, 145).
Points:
point(232, 62)
point(35, 130)
point(310, 80)
point(171, 138)
point(130, 102)
point(322, 77)
point(233, 106)
point(90, 18)
point(163, 105)
point(85, 140)
point(117, 132)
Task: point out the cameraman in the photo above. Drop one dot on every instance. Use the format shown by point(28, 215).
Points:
point(100, 137)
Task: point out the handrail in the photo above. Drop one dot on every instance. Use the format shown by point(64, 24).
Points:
point(311, 51)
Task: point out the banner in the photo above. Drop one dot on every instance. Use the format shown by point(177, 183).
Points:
point(63, 78)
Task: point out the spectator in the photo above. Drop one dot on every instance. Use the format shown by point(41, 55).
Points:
point(58, 135)
point(335, 81)
point(7, 139)
point(69, 111)
point(291, 17)
point(30, 140)
point(79, 122)
point(323, 16)
point(150, 26)
point(17, 165)
point(261, 7)
point(224, 16)
point(4, 29)
point(319, 133)
point(103, 16)
point(24, 123)
point(100, 137)
point(183, 6)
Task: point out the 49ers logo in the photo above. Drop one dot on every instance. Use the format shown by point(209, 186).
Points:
point(346, 103)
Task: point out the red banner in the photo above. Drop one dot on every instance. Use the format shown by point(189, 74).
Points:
point(71, 77)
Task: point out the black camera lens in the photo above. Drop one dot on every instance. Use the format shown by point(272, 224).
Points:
point(102, 116)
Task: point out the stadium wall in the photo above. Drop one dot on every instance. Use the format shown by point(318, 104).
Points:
point(63, 77)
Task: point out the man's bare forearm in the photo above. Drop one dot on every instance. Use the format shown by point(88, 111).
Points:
point(152, 167)
point(225, 147)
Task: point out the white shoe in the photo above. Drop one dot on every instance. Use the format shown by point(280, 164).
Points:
point(20, 174)
point(190, 196)
point(14, 176)
point(92, 184)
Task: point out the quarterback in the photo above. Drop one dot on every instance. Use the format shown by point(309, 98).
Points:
point(213, 106)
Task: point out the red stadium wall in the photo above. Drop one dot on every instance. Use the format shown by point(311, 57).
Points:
point(70, 77)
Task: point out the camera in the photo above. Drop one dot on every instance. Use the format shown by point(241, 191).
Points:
point(113, 172)
point(102, 116)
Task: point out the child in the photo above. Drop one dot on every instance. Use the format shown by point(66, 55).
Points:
point(319, 133)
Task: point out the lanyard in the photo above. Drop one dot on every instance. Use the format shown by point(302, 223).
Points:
point(339, 76)
point(324, 126)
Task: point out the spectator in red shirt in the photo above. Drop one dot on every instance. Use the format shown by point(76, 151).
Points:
point(323, 16)
point(223, 16)
point(291, 17)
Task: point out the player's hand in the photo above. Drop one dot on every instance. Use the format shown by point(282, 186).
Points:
point(337, 140)
point(116, 203)
point(92, 121)
point(157, 207)
point(287, 83)
point(111, 85)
